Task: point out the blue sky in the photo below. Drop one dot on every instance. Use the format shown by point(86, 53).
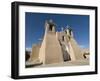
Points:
point(34, 27)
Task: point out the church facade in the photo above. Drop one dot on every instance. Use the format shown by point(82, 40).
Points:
point(56, 47)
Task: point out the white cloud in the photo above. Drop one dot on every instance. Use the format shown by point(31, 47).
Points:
point(82, 46)
point(28, 49)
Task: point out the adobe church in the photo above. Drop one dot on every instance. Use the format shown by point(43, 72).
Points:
point(56, 47)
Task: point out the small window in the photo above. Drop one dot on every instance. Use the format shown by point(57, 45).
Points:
point(70, 31)
point(66, 32)
point(62, 38)
point(50, 27)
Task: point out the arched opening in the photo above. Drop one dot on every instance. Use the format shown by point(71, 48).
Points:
point(50, 27)
point(70, 31)
point(66, 56)
point(63, 39)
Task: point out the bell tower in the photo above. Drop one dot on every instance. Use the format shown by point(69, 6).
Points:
point(50, 51)
point(69, 33)
point(74, 49)
point(49, 27)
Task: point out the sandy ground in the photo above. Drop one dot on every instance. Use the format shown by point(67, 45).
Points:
point(68, 63)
